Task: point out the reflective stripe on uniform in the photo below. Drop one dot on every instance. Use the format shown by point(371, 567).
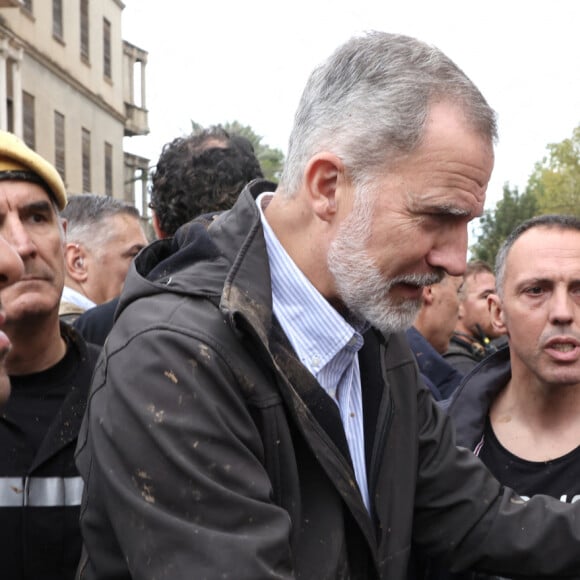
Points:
point(40, 491)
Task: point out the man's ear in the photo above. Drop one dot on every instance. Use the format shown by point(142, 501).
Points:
point(496, 313)
point(428, 295)
point(75, 261)
point(157, 227)
point(323, 177)
point(460, 311)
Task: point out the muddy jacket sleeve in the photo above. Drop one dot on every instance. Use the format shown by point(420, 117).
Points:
point(175, 484)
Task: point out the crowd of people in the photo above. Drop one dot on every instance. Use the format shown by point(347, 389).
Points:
point(293, 380)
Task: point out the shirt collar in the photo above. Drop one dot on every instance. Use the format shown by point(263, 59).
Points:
point(74, 297)
point(315, 329)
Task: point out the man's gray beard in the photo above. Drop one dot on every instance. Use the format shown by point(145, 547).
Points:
point(365, 292)
point(360, 285)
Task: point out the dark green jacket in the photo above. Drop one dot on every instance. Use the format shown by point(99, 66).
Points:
point(209, 451)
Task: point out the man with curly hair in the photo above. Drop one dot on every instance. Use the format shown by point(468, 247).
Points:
point(200, 174)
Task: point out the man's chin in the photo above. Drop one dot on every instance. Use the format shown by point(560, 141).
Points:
point(394, 317)
point(28, 312)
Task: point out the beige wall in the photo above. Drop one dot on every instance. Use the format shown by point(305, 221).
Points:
point(53, 71)
point(37, 31)
point(51, 93)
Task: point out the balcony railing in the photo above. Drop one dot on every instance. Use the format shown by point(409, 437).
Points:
point(136, 121)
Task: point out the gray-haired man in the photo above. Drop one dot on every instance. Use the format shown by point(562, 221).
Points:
point(257, 414)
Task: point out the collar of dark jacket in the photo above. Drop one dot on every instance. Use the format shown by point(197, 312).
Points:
point(223, 259)
point(471, 401)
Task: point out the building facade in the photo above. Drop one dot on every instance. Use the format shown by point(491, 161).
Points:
point(72, 89)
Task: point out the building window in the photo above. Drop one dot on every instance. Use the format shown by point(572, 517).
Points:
point(86, 149)
point(107, 48)
point(27, 5)
point(108, 169)
point(85, 30)
point(28, 120)
point(57, 29)
point(10, 114)
point(59, 144)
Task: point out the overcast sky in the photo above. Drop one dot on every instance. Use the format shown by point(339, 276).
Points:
point(248, 60)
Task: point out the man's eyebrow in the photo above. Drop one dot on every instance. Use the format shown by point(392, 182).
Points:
point(539, 280)
point(41, 205)
point(533, 281)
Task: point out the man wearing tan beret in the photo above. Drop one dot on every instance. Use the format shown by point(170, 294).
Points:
point(49, 367)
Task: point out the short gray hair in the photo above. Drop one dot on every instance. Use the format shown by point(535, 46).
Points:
point(89, 218)
point(555, 221)
point(370, 100)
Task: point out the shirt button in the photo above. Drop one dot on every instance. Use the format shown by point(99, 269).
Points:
point(315, 360)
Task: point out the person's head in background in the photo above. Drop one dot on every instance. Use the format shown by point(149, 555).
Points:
point(103, 236)
point(11, 270)
point(31, 195)
point(474, 317)
point(537, 302)
point(438, 315)
point(199, 174)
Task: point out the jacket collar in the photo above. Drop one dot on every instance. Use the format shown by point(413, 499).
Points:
point(472, 400)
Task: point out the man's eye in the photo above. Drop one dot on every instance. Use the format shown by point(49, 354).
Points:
point(534, 290)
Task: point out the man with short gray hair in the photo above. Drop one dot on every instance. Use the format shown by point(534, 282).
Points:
point(257, 412)
point(103, 236)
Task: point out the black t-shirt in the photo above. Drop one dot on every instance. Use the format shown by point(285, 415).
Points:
point(34, 402)
point(559, 478)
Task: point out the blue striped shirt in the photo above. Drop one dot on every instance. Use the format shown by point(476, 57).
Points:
point(325, 342)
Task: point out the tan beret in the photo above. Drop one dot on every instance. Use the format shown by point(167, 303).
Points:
point(15, 155)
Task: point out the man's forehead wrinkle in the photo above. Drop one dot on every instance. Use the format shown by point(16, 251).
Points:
point(459, 169)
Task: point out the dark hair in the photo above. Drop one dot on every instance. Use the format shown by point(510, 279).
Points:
point(200, 174)
point(557, 221)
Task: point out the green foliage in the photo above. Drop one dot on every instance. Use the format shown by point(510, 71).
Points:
point(497, 224)
point(271, 159)
point(555, 181)
point(553, 187)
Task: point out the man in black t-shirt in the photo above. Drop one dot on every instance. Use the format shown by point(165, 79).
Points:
point(50, 368)
point(520, 409)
